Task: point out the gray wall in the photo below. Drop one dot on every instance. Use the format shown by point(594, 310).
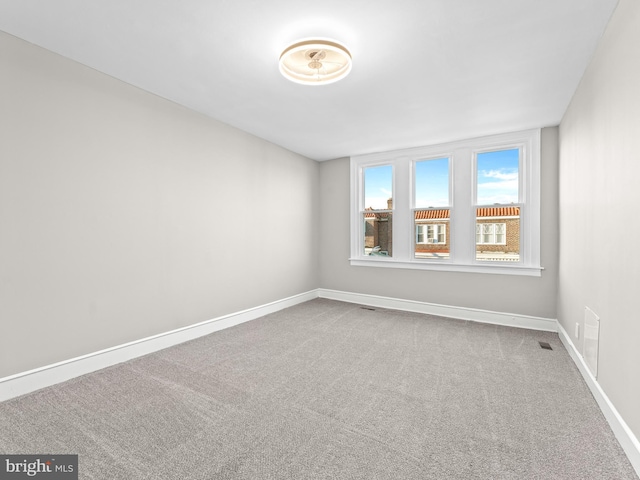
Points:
point(599, 198)
point(502, 293)
point(123, 215)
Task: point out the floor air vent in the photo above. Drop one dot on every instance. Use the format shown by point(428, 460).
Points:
point(545, 345)
point(367, 308)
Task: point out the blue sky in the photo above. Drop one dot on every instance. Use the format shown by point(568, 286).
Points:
point(378, 186)
point(498, 177)
point(432, 183)
point(497, 181)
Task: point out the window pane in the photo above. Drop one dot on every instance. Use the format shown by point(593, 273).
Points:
point(500, 230)
point(498, 234)
point(487, 233)
point(497, 181)
point(432, 234)
point(378, 233)
point(432, 183)
point(378, 187)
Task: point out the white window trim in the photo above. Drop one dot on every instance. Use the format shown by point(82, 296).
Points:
point(462, 178)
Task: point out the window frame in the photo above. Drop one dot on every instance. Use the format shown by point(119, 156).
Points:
point(462, 205)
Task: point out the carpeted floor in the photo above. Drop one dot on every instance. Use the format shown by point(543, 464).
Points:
point(330, 390)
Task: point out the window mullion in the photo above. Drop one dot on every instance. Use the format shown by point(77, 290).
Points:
point(462, 219)
point(402, 222)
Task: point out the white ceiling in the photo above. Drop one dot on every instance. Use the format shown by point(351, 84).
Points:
point(424, 71)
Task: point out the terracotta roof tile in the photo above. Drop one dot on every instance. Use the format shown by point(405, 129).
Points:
point(371, 213)
point(498, 212)
point(444, 213)
point(480, 212)
point(431, 214)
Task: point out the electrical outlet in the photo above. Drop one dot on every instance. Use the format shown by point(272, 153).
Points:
point(577, 330)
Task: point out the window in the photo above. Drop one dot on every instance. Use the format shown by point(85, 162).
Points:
point(491, 233)
point(498, 198)
point(468, 206)
point(377, 214)
point(431, 180)
point(435, 233)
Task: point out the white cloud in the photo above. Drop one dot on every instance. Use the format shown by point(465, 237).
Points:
point(511, 185)
point(500, 174)
point(497, 186)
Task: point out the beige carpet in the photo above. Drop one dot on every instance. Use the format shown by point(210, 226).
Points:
point(329, 390)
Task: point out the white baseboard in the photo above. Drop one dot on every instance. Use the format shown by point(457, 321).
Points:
point(623, 433)
point(25, 382)
point(461, 313)
point(621, 430)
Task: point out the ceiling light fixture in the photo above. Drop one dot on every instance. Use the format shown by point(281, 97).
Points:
point(315, 62)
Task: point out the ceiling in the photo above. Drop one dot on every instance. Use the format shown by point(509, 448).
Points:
point(424, 71)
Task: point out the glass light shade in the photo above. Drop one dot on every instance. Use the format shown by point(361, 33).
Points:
point(315, 62)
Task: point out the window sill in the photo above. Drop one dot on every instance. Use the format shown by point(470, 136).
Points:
point(491, 268)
